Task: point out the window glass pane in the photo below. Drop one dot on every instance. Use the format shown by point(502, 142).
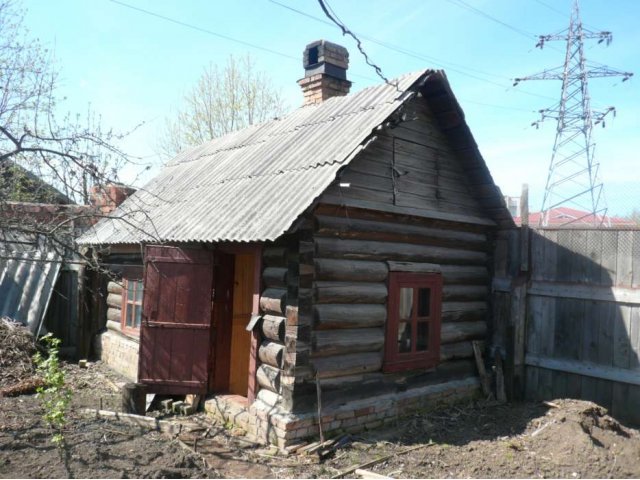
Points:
point(138, 316)
point(424, 302)
point(422, 340)
point(138, 291)
point(128, 313)
point(404, 337)
point(406, 303)
point(130, 290)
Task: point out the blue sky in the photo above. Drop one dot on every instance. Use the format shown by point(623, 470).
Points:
point(133, 67)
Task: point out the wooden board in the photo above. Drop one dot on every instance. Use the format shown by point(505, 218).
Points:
point(240, 337)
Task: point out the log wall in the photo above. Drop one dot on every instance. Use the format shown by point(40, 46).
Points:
point(344, 267)
point(278, 333)
point(405, 199)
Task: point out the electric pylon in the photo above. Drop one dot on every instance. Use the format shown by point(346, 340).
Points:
point(573, 179)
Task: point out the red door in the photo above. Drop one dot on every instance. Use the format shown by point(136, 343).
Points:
point(176, 320)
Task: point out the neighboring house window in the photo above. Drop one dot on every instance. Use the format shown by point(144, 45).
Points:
point(131, 305)
point(413, 321)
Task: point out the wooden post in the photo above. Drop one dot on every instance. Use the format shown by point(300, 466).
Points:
point(524, 232)
point(252, 388)
point(518, 315)
point(134, 398)
point(501, 396)
point(484, 378)
point(319, 394)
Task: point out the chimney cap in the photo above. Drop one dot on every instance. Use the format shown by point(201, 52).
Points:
point(327, 58)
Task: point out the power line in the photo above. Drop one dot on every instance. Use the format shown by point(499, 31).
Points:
point(436, 61)
point(563, 14)
point(390, 46)
point(504, 107)
point(466, 6)
point(398, 49)
point(216, 34)
point(345, 31)
point(204, 30)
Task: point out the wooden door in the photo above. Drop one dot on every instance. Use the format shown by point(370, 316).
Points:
point(221, 321)
point(176, 320)
point(243, 290)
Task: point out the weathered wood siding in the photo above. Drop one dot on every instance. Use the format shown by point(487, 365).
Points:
point(583, 318)
point(410, 169)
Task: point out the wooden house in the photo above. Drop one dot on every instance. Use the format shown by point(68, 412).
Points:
point(343, 249)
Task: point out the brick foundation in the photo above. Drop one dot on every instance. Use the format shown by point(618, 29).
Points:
point(119, 351)
point(270, 424)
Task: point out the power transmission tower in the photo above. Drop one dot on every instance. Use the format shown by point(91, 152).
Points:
point(573, 179)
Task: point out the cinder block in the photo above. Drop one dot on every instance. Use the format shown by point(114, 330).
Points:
point(187, 409)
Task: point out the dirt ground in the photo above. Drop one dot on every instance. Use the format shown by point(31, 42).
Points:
point(566, 439)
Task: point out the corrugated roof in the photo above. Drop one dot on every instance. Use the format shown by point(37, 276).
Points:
point(27, 277)
point(251, 185)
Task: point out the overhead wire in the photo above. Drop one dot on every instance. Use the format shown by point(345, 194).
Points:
point(564, 14)
point(482, 13)
point(328, 11)
point(215, 34)
point(437, 62)
point(396, 48)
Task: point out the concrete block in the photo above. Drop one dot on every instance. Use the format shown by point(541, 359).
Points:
point(166, 404)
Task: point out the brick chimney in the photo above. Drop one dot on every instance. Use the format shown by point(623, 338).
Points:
point(108, 197)
point(325, 72)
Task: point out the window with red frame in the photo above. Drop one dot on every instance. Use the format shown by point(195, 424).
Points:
point(132, 305)
point(413, 321)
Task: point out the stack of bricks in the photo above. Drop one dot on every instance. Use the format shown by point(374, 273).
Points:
point(270, 424)
point(106, 198)
point(319, 87)
point(119, 352)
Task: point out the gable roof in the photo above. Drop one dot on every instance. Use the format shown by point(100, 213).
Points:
point(252, 185)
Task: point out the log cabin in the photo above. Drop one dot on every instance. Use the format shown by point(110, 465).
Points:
point(329, 268)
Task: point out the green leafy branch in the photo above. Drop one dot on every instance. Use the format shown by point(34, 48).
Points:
point(54, 396)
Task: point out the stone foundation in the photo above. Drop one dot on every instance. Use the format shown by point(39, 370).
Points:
point(119, 351)
point(270, 424)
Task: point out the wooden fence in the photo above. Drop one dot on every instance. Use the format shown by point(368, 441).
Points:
point(567, 315)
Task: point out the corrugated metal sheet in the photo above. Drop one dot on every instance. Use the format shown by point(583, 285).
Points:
point(252, 184)
point(27, 278)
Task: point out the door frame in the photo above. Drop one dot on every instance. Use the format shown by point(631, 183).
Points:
point(256, 250)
